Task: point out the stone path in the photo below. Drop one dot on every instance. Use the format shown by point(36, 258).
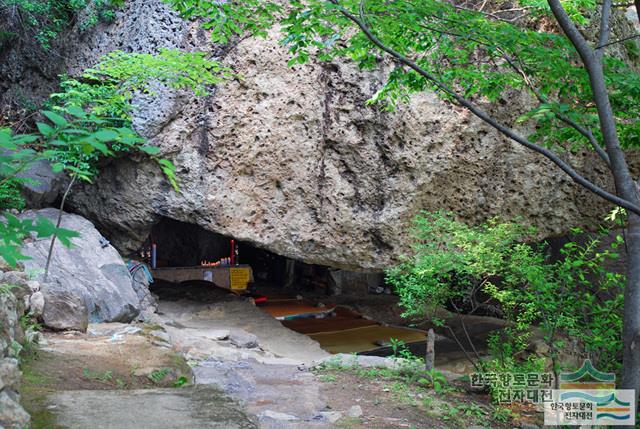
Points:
point(192, 408)
point(252, 358)
point(249, 372)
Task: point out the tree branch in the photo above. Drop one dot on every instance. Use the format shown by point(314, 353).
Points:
point(510, 61)
point(564, 118)
point(624, 39)
point(593, 63)
point(503, 129)
point(569, 28)
point(604, 24)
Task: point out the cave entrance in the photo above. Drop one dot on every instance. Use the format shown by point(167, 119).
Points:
point(183, 256)
point(191, 265)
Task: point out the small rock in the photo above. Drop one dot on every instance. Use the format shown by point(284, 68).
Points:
point(161, 335)
point(275, 415)
point(330, 416)
point(217, 334)
point(11, 413)
point(540, 348)
point(476, 427)
point(9, 372)
point(161, 344)
point(33, 337)
point(64, 309)
point(36, 304)
point(347, 361)
point(33, 285)
point(243, 340)
point(529, 426)
point(355, 411)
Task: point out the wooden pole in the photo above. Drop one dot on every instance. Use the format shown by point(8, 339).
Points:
point(430, 355)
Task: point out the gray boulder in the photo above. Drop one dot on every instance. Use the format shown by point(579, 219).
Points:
point(87, 283)
point(64, 308)
point(12, 415)
point(43, 185)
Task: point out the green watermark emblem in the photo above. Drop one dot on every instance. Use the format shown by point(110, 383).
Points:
point(589, 397)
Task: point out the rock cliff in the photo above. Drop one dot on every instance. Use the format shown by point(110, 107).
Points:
point(292, 160)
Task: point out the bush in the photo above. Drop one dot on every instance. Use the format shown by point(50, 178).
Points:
point(44, 20)
point(10, 195)
point(489, 268)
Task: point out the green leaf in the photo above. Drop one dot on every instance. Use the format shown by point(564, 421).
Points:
point(45, 129)
point(55, 118)
point(106, 135)
point(150, 150)
point(76, 111)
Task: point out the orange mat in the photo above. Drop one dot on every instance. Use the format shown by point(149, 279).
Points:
point(285, 309)
point(312, 326)
point(364, 338)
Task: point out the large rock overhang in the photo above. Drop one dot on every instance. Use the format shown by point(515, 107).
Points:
point(291, 159)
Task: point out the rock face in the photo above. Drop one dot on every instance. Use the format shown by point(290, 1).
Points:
point(293, 161)
point(15, 294)
point(87, 282)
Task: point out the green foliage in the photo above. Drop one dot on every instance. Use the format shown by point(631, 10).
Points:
point(104, 93)
point(181, 381)
point(13, 231)
point(502, 414)
point(106, 90)
point(75, 141)
point(434, 379)
point(102, 376)
point(158, 375)
point(100, 11)
point(10, 195)
point(43, 20)
point(451, 260)
point(7, 288)
point(470, 52)
point(327, 378)
point(574, 298)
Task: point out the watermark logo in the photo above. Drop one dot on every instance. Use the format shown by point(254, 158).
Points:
point(508, 388)
point(593, 379)
point(589, 397)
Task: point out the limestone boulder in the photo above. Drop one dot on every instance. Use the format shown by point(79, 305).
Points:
point(292, 160)
point(87, 282)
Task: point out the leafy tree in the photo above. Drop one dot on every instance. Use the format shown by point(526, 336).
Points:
point(585, 97)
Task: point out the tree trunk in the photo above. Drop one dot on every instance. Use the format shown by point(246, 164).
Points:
point(55, 235)
point(430, 355)
point(631, 328)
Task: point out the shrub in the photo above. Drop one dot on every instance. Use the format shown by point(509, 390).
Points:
point(490, 268)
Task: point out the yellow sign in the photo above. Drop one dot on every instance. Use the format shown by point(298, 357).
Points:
point(239, 277)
